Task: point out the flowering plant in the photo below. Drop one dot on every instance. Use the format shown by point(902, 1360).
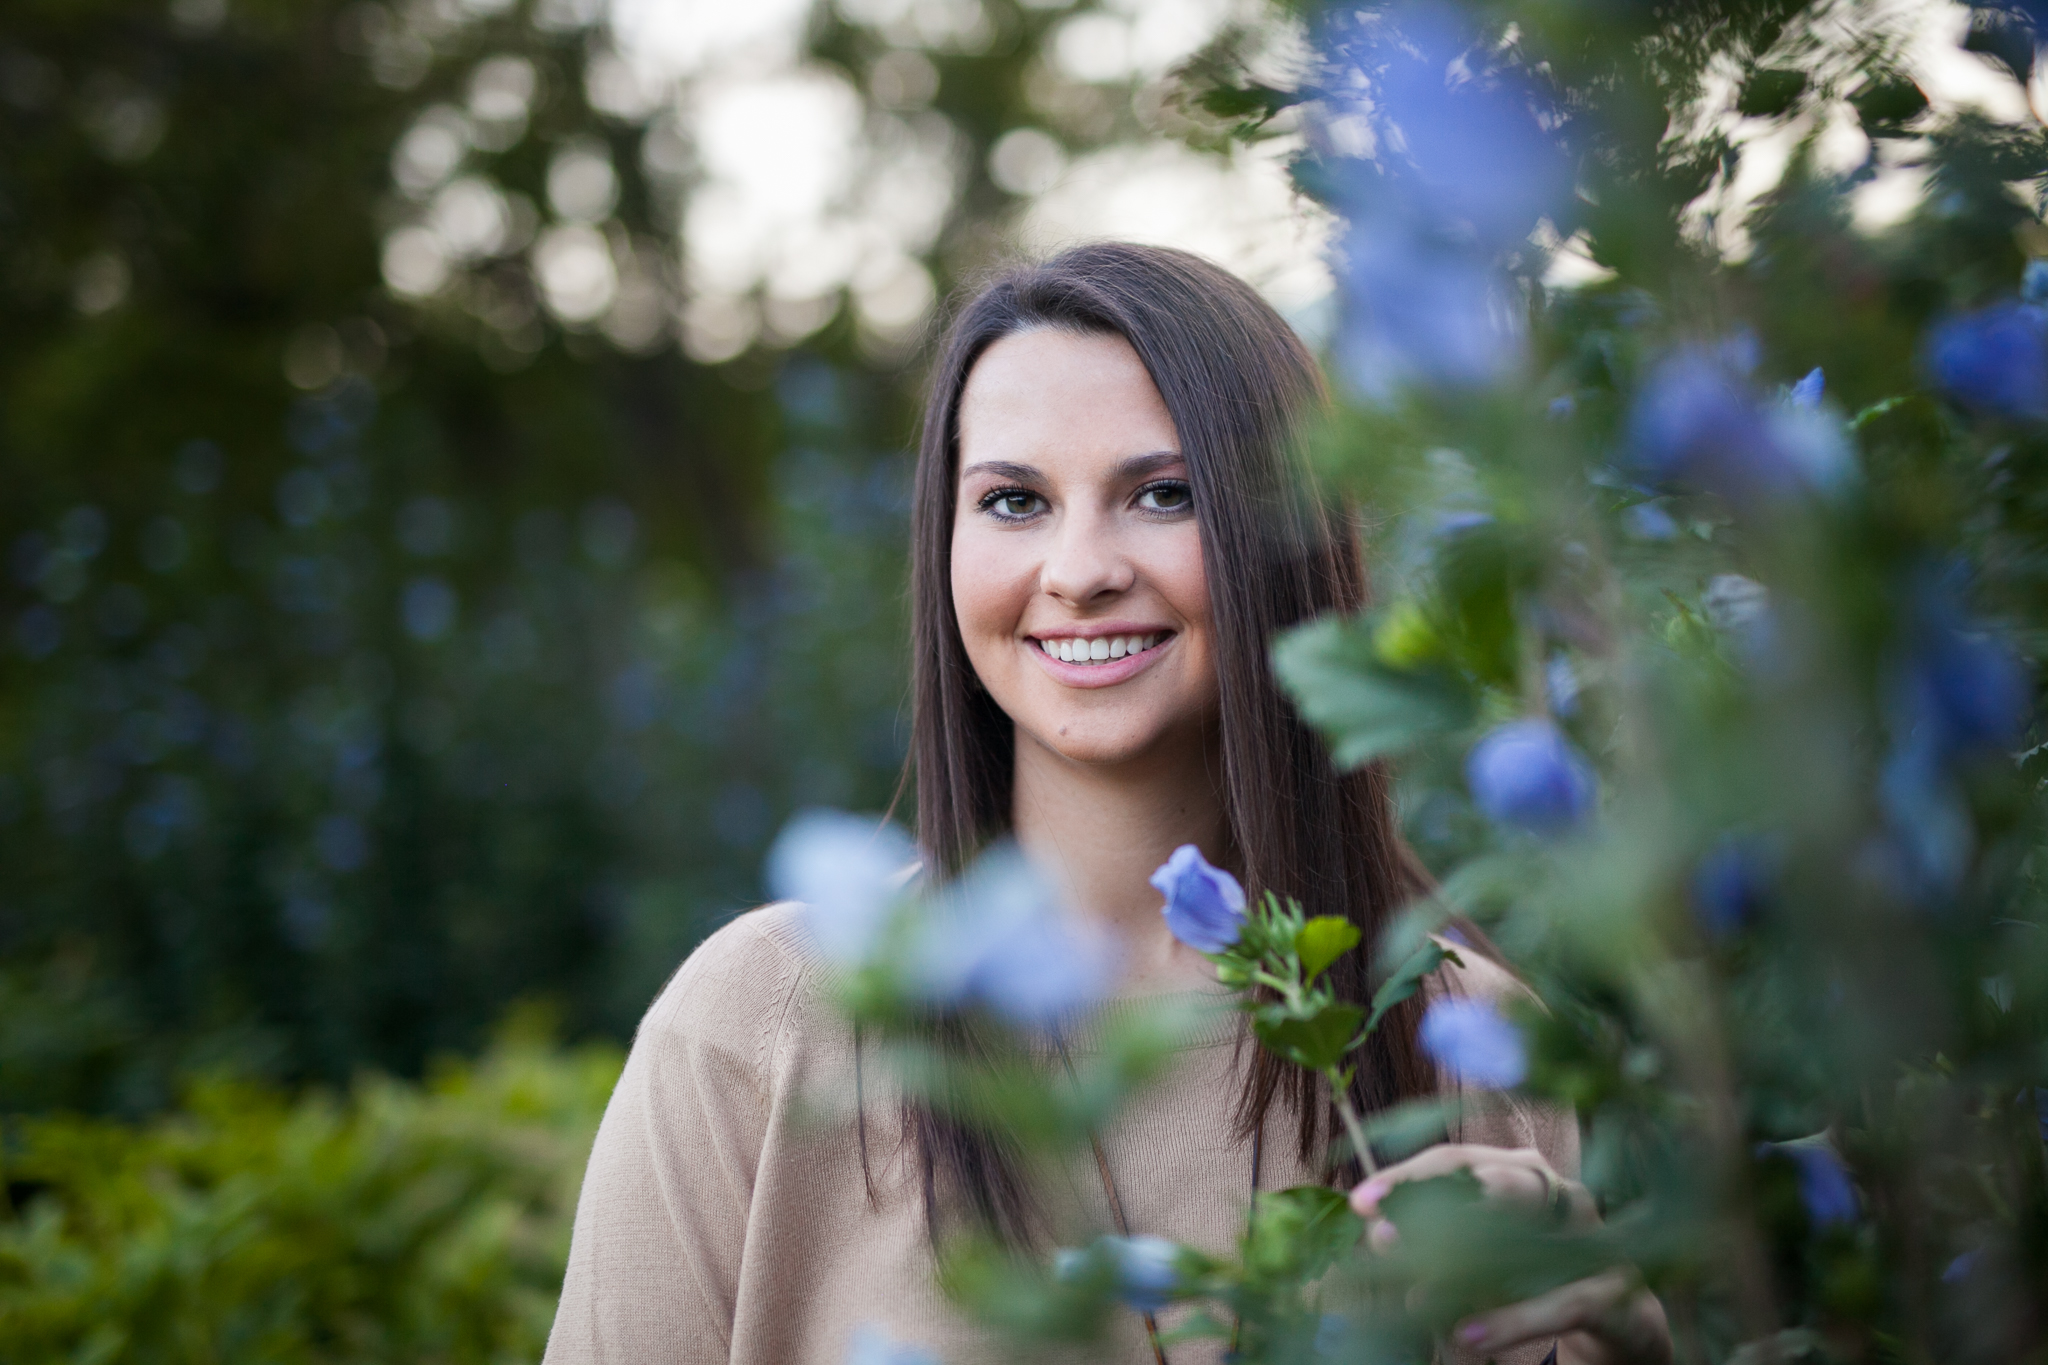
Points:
point(1717, 559)
point(1276, 957)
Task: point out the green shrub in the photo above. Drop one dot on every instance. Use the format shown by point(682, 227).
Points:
point(404, 1222)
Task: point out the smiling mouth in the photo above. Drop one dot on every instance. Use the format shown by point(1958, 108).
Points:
point(1101, 648)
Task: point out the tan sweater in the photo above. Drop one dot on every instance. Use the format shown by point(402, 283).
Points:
point(724, 1216)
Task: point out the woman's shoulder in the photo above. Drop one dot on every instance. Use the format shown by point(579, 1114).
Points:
point(1471, 974)
point(743, 989)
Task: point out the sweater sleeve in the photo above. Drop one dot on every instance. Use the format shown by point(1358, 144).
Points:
point(661, 1221)
point(1493, 1118)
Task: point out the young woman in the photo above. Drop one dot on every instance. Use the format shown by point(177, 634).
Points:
point(1108, 530)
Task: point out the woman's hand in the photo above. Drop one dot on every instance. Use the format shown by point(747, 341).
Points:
point(1608, 1319)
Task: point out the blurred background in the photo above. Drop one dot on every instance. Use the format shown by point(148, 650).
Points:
point(456, 465)
point(455, 459)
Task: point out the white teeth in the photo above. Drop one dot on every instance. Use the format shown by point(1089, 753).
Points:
point(1102, 647)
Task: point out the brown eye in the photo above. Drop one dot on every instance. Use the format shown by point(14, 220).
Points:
point(1172, 496)
point(1011, 504)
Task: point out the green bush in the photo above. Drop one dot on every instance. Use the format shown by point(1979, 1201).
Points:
point(402, 1222)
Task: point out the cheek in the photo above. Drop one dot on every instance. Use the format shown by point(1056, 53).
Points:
point(1178, 572)
point(986, 596)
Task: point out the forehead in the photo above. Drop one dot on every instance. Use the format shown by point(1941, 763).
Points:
point(1062, 401)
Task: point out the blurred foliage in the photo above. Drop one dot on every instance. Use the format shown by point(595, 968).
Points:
point(395, 1222)
point(371, 659)
point(1712, 529)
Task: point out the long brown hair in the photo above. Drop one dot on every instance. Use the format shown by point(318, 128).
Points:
point(1239, 385)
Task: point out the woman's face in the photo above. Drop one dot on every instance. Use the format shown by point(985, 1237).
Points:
point(1077, 563)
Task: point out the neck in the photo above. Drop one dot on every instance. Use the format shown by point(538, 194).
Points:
point(1101, 830)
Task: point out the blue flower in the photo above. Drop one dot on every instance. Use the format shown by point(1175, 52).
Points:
point(1453, 523)
point(1146, 1270)
point(1561, 685)
point(1468, 141)
point(870, 1345)
point(1807, 392)
point(1473, 1040)
point(1994, 360)
point(2034, 282)
point(1204, 905)
point(1959, 1269)
point(846, 871)
point(1970, 689)
point(1527, 775)
point(1956, 689)
point(1697, 421)
point(1333, 1337)
point(1740, 608)
point(999, 937)
point(1422, 310)
point(1648, 521)
point(1824, 1185)
point(1731, 884)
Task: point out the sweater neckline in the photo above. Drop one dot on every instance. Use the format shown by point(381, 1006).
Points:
point(1195, 1018)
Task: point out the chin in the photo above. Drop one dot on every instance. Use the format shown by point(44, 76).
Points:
point(1104, 746)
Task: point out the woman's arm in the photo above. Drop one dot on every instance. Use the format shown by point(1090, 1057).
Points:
point(1608, 1319)
point(1527, 1151)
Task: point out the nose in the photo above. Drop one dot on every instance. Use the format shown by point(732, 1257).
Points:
point(1085, 563)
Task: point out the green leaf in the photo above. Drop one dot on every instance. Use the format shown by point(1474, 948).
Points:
point(1322, 941)
point(1317, 1042)
point(1259, 102)
point(1406, 1129)
point(1296, 1233)
point(1406, 980)
point(1368, 710)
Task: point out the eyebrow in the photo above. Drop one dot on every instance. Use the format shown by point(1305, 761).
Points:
point(1129, 467)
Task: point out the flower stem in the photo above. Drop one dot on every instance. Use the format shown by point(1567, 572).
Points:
point(1352, 1127)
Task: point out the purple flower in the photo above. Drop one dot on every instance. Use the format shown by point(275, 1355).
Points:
point(999, 937)
point(1824, 1185)
point(1473, 1040)
point(846, 871)
point(1994, 360)
point(1959, 1269)
point(1204, 905)
point(1527, 775)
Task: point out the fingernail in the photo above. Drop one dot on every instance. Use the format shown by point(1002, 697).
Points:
point(1370, 1193)
point(1472, 1333)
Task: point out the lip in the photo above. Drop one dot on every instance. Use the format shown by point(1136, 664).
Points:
point(1108, 673)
